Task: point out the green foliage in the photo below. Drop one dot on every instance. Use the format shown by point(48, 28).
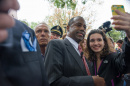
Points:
point(116, 35)
point(84, 1)
point(71, 4)
point(25, 22)
point(33, 24)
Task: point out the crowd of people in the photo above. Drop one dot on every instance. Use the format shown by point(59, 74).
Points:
point(46, 57)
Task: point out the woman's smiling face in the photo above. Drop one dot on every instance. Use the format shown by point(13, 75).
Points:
point(96, 42)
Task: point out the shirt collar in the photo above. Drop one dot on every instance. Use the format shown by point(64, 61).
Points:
point(73, 42)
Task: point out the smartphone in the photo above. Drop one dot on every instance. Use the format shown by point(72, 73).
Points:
point(118, 7)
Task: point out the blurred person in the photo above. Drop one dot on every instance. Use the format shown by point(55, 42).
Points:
point(119, 43)
point(122, 22)
point(106, 63)
point(63, 37)
point(56, 32)
point(111, 44)
point(119, 48)
point(65, 64)
point(21, 64)
point(83, 46)
point(42, 32)
point(6, 21)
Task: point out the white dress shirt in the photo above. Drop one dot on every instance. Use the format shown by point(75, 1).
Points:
point(74, 44)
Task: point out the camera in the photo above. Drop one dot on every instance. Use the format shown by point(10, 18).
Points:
point(106, 26)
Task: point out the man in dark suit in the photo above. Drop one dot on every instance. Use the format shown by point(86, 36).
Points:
point(21, 63)
point(63, 61)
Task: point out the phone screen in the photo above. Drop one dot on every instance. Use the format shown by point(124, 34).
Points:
point(118, 7)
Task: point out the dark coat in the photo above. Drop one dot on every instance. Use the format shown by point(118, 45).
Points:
point(64, 66)
point(18, 68)
point(113, 65)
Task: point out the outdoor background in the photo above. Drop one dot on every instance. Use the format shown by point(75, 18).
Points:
point(95, 12)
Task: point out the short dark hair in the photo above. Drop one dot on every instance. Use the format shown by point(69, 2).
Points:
point(119, 41)
point(72, 20)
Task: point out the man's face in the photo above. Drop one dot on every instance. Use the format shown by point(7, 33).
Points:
point(42, 34)
point(119, 45)
point(77, 29)
point(55, 36)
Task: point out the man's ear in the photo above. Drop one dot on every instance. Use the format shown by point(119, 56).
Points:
point(51, 37)
point(67, 28)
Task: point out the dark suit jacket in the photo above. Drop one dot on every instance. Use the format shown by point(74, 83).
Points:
point(64, 66)
point(18, 68)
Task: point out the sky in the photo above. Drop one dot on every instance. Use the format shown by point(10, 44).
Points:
point(33, 10)
point(37, 10)
point(104, 11)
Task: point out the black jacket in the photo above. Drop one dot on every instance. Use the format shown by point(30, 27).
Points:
point(113, 65)
point(64, 66)
point(19, 67)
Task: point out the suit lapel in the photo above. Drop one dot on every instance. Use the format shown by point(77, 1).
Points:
point(75, 55)
point(90, 66)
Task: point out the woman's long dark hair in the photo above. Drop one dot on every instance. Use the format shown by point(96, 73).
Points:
point(105, 51)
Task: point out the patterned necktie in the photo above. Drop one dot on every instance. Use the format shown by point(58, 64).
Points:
point(84, 60)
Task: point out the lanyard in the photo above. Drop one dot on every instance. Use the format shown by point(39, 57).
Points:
point(96, 72)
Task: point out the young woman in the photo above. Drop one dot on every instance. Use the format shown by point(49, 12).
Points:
point(105, 63)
